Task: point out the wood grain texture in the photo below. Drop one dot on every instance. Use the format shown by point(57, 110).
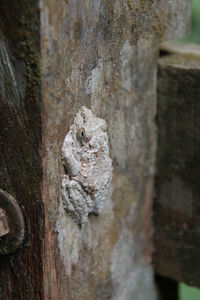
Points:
point(103, 54)
point(20, 143)
point(177, 208)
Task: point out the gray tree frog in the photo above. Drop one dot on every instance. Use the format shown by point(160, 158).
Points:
point(85, 155)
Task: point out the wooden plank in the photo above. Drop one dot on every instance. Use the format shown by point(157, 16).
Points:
point(177, 208)
point(21, 275)
point(55, 57)
point(103, 54)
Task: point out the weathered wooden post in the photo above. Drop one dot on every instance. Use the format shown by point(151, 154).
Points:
point(176, 214)
point(57, 56)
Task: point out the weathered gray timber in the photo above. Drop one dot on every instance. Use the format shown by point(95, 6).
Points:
point(177, 205)
point(103, 54)
point(58, 55)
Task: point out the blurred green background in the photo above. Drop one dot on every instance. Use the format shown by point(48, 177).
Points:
point(186, 292)
point(194, 36)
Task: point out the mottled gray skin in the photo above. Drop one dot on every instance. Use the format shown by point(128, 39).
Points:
point(85, 154)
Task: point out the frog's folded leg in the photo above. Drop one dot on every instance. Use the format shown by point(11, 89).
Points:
point(76, 201)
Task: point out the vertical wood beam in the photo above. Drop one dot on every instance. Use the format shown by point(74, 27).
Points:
point(177, 209)
point(21, 273)
point(101, 54)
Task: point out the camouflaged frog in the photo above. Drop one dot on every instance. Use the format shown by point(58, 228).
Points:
point(88, 167)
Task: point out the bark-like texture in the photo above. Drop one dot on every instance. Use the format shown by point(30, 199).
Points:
point(177, 206)
point(103, 54)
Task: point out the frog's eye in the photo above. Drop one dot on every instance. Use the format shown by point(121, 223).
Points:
point(81, 134)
